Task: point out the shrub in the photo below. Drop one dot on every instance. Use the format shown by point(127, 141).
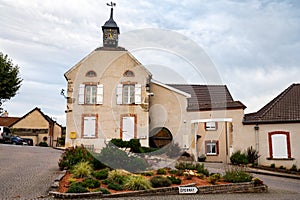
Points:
point(179, 172)
point(160, 181)
point(202, 158)
point(174, 180)
point(137, 183)
point(72, 156)
point(106, 182)
point(161, 171)
point(272, 165)
point(282, 167)
point(104, 191)
point(115, 186)
point(116, 158)
point(238, 158)
point(82, 169)
point(101, 175)
point(43, 144)
point(293, 168)
point(200, 175)
point(147, 173)
point(72, 180)
point(90, 183)
point(77, 188)
point(257, 181)
point(117, 176)
point(214, 178)
point(201, 169)
point(173, 171)
point(252, 155)
point(237, 176)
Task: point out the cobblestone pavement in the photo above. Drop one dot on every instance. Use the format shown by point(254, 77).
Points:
point(27, 172)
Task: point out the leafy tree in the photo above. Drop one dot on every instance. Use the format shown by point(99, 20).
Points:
point(10, 82)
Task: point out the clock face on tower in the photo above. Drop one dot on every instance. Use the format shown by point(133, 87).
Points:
point(110, 38)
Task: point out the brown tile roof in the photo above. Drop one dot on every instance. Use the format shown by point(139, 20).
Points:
point(8, 121)
point(208, 97)
point(285, 108)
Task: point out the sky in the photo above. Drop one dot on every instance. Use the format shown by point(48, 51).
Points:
point(254, 45)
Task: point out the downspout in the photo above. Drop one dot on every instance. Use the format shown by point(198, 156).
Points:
point(256, 129)
point(226, 141)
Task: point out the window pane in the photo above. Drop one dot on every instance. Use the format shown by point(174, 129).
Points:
point(211, 126)
point(279, 146)
point(128, 94)
point(90, 94)
point(211, 148)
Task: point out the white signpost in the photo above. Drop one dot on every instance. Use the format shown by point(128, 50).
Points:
point(188, 190)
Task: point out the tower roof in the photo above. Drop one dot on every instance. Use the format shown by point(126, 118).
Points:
point(111, 22)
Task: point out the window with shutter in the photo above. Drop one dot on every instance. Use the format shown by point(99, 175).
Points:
point(81, 94)
point(90, 94)
point(89, 126)
point(100, 94)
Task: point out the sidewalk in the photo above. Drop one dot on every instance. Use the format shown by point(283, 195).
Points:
point(222, 167)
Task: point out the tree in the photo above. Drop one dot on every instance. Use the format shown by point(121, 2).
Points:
point(10, 82)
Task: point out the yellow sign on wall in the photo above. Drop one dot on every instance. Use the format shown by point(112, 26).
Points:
point(72, 135)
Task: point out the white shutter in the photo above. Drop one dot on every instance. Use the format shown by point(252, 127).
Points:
point(89, 127)
point(119, 93)
point(100, 94)
point(279, 146)
point(138, 94)
point(81, 94)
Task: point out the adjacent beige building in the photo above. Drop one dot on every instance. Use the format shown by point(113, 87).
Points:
point(274, 130)
point(37, 126)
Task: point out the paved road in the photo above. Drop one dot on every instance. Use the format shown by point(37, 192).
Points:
point(27, 172)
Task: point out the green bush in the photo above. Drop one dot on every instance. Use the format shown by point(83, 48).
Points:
point(160, 181)
point(282, 167)
point(272, 165)
point(43, 144)
point(104, 191)
point(190, 166)
point(90, 183)
point(101, 175)
point(252, 155)
point(161, 171)
point(293, 168)
point(237, 176)
point(117, 176)
point(173, 171)
point(82, 169)
point(137, 183)
point(174, 180)
point(116, 158)
point(77, 188)
point(72, 156)
point(214, 178)
point(238, 158)
point(147, 173)
point(106, 182)
point(202, 158)
point(115, 186)
point(179, 172)
point(133, 144)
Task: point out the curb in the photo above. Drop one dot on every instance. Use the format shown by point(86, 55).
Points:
point(247, 187)
point(271, 173)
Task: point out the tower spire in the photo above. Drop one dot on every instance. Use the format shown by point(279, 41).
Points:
point(110, 29)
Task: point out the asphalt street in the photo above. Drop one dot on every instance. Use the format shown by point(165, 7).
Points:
point(27, 172)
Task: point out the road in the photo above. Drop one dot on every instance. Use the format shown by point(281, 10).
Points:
point(27, 172)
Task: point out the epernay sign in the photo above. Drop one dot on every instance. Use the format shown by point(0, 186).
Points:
point(188, 190)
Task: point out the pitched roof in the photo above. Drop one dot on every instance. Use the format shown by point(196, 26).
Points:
point(49, 119)
point(208, 97)
point(285, 108)
point(8, 121)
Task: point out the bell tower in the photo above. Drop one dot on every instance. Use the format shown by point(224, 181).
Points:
point(110, 30)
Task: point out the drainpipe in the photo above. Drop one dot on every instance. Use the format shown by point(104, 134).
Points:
point(256, 129)
point(226, 141)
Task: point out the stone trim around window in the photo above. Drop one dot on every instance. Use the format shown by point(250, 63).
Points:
point(82, 125)
point(270, 134)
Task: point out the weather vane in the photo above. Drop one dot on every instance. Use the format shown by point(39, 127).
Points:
point(111, 4)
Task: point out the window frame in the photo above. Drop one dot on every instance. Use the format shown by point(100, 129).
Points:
point(211, 128)
point(129, 95)
point(288, 144)
point(90, 97)
point(97, 95)
point(84, 116)
point(214, 142)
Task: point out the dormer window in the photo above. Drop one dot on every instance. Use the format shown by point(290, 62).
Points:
point(128, 73)
point(91, 74)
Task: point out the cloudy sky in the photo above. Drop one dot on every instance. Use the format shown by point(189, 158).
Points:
point(253, 44)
